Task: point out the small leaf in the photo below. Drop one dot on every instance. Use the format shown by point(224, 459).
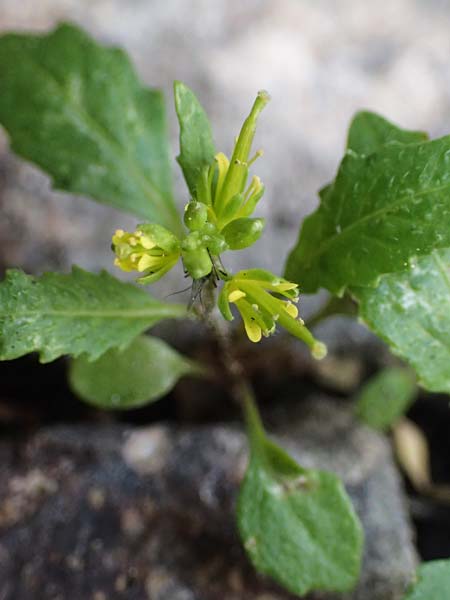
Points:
point(141, 373)
point(411, 312)
point(386, 397)
point(78, 111)
point(79, 313)
point(369, 131)
point(297, 525)
point(196, 142)
point(433, 582)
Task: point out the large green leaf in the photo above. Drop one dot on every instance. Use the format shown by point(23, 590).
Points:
point(297, 525)
point(369, 131)
point(433, 582)
point(382, 209)
point(141, 373)
point(411, 312)
point(360, 216)
point(196, 142)
point(78, 111)
point(79, 313)
point(386, 397)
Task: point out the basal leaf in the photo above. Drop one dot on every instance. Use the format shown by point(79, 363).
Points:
point(78, 111)
point(131, 377)
point(196, 142)
point(386, 397)
point(433, 582)
point(411, 312)
point(382, 209)
point(369, 131)
point(297, 525)
point(79, 313)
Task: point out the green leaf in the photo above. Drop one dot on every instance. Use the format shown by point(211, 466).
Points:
point(79, 313)
point(196, 142)
point(78, 111)
point(386, 397)
point(369, 131)
point(382, 209)
point(297, 525)
point(433, 582)
point(411, 312)
point(131, 377)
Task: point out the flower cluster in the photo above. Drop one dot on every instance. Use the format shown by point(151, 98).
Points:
point(151, 250)
point(218, 218)
point(254, 293)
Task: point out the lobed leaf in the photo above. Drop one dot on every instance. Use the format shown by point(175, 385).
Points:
point(78, 111)
point(78, 313)
point(411, 312)
point(386, 397)
point(130, 377)
point(196, 141)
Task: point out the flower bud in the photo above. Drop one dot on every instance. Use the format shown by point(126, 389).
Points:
point(197, 262)
point(242, 233)
point(213, 240)
point(195, 215)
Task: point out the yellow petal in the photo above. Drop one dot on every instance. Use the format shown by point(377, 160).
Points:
point(146, 261)
point(222, 164)
point(291, 309)
point(286, 286)
point(236, 295)
point(146, 242)
point(253, 330)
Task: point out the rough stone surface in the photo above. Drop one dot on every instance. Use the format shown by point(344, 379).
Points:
point(320, 60)
point(105, 513)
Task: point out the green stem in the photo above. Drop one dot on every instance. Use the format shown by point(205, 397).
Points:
point(255, 427)
point(241, 388)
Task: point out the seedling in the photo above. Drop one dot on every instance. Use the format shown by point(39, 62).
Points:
point(379, 242)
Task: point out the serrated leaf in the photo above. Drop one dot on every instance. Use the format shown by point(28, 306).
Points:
point(78, 111)
point(131, 377)
point(369, 131)
point(297, 525)
point(382, 209)
point(411, 312)
point(78, 313)
point(433, 582)
point(196, 141)
point(386, 397)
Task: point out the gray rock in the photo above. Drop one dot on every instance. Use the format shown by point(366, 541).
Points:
point(113, 512)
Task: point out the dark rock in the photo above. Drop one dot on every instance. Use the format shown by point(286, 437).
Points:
point(112, 512)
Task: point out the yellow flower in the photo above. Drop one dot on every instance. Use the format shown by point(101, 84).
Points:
point(252, 292)
point(151, 250)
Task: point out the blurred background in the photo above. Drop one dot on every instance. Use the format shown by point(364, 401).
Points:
point(321, 61)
